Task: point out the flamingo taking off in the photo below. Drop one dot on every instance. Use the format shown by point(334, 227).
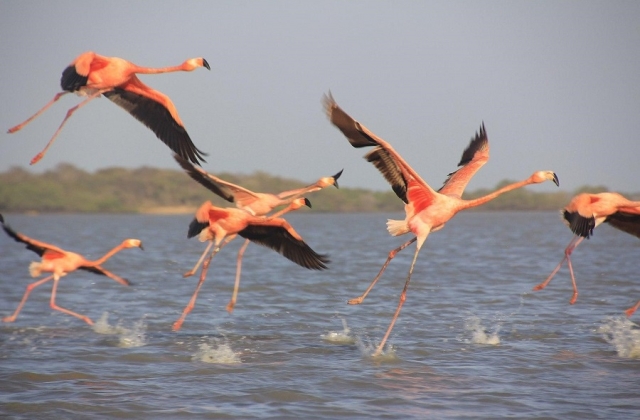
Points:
point(221, 225)
point(93, 75)
point(584, 213)
point(60, 262)
point(426, 210)
point(258, 204)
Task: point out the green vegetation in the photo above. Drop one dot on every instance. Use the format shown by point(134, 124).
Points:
point(119, 190)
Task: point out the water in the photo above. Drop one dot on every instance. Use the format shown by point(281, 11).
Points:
point(472, 341)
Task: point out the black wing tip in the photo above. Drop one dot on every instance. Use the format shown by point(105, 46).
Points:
point(71, 81)
point(478, 142)
point(580, 225)
point(195, 227)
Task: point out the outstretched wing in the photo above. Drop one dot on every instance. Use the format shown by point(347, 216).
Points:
point(393, 167)
point(473, 158)
point(101, 271)
point(629, 223)
point(155, 113)
point(205, 179)
point(281, 241)
point(34, 245)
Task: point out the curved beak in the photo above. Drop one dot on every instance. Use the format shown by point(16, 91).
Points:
point(556, 180)
point(205, 64)
point(335, 178)
point(140, 246)
point(307, 202)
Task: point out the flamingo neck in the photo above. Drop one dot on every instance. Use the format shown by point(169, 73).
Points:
point(158, 70)
point(106, 256)
point(482, 200)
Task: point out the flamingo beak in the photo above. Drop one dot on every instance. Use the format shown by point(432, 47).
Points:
point(307, 202)
point(556, 180)
point(335, 178)
point(205, 64)
point(140, 246)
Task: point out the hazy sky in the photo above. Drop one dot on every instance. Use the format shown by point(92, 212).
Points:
point(557, 84)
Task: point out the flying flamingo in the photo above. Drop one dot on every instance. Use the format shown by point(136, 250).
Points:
point(60, 262)
point(426, 210)
point(223, 224)
point(258, 204)
point(584, 213)
point(93, 75)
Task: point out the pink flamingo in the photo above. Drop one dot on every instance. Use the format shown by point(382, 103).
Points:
point(584, 213)
point(221, 225)
point(257, 204)
point(93, 75)
point(426, 210)
point(60, 262)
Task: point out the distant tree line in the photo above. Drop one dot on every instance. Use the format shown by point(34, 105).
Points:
point(119, 190)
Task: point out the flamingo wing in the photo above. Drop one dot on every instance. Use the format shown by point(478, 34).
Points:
point(154, 109)
point(389, 162)
point(473, 158)
point(281, 241)
point(629, 223)
point(205, 179)
point(101, 271)
point(34, 245)
point(579, 224)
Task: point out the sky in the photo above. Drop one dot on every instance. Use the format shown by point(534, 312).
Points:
point(556, 83)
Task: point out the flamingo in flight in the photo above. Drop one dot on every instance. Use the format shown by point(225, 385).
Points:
point(427, 210)
point(60, 263)
point(257, 204)
point(584, 213)
point(93, 75)
point(221, 225)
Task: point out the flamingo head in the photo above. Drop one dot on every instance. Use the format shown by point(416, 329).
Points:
point(542, 176)
point(329, 180)
point(194, 63)
point(299, 202)
point(132, 243)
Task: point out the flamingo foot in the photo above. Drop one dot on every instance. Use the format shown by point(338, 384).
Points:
point(230, 306)
point(8, 319)
point(188, 274)
point(573, 298)
point(14, 129)
point(539, 287)
point(356, 301)
point(177, 325)
point(632, 310)
point(36, 158)
point(87, 320)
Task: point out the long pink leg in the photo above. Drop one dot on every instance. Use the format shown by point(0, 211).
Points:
point(30, 287)
point(61, 309)
point(392, 254)
point(403, 297)
point(236, 286)
point(632, 309)
point(575, 241)
point(195, 267)
point(70, 112)
point(44, 108)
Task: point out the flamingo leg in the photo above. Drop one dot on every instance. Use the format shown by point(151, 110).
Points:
point(567, 252)
point(632, 309)
point(44, 108)
point(61, 309)
point(403, 298)
point(392, 254)
point(236, 286)
point(195, 267)
point(70, 112)
point(27, 292)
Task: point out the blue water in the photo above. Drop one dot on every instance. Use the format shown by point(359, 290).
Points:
point(472, 341)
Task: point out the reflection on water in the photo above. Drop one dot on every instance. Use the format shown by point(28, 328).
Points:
point(472, 341)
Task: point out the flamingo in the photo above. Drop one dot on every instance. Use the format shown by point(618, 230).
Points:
point(60, 262)
point(93, 75)
point(584, 213)
point(426, 210)
point(221, 225)
point(257, 204)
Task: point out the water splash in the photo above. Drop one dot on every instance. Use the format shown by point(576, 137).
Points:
point(479, 333)
point(215, 352)
point(340, 337)
point(368, 349)
point(127, 337)
point(623, 335)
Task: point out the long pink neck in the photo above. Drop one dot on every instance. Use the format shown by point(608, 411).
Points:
point(481, 200)
point(152, 70)
point(106, 256)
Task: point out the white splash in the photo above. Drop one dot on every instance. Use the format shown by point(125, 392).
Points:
point(368, 350)
point(623, 335)
point(216, 353)
point(127, 337)
point(340, 337)
point(479, 332)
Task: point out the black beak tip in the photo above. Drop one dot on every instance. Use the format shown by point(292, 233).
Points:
point(205, 64)
point(335, 178)
point(307, 202)
point(556, 180)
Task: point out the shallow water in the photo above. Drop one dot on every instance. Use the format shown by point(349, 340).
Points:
point(472, 340)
